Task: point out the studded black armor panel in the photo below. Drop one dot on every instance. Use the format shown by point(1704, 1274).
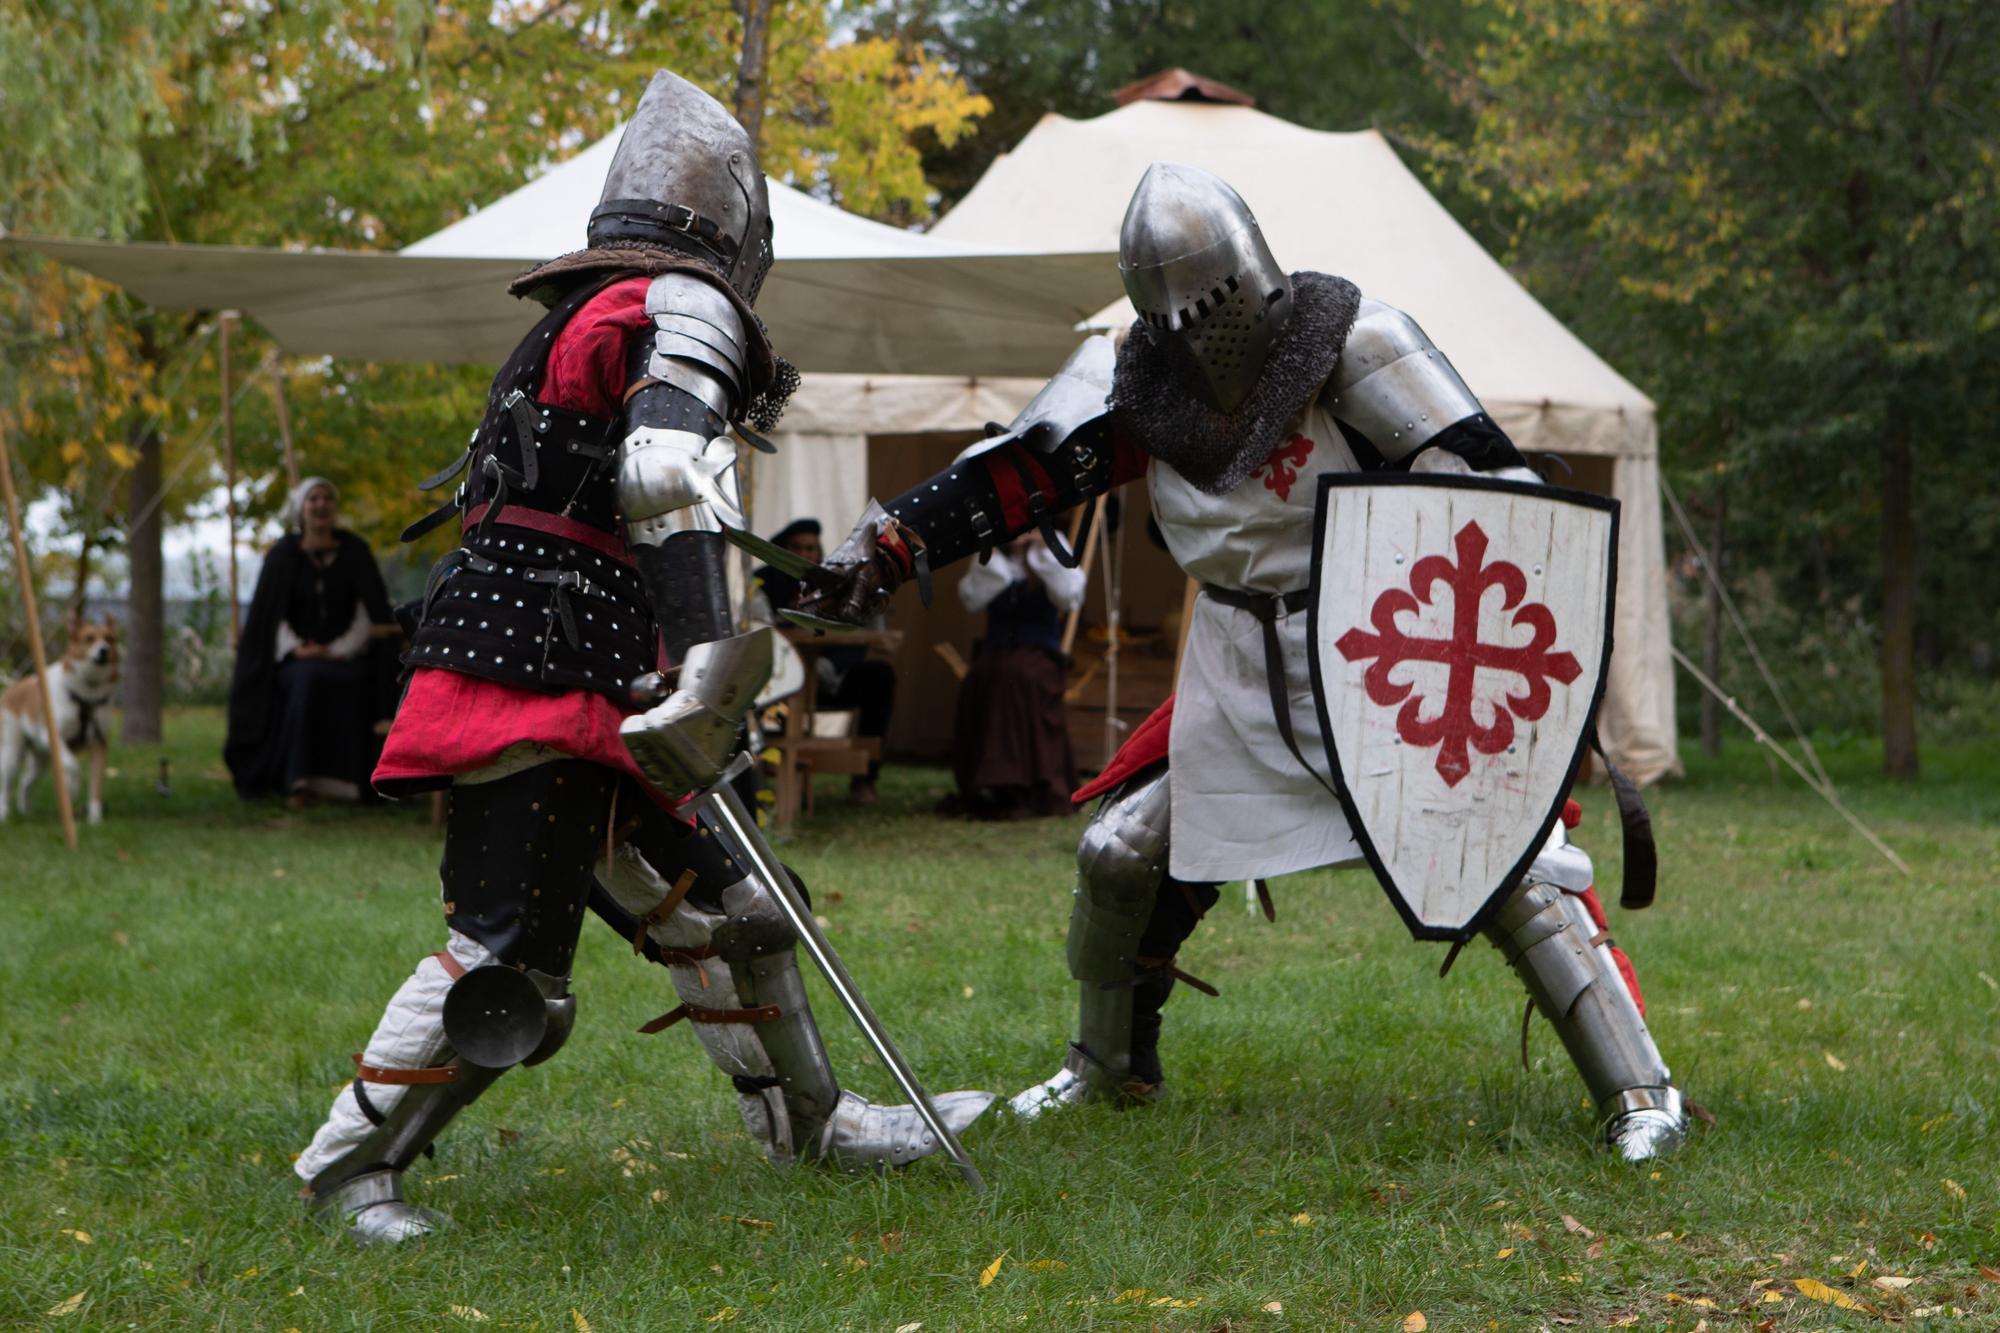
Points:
point(513, 603)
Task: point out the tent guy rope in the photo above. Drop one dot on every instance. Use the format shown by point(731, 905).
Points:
point(1825, 790)
point(1742, 630)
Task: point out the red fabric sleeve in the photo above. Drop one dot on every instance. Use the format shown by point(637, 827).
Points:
point(1128, 461)
point(586, 369)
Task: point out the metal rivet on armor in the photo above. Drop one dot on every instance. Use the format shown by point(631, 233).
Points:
point(518, 602)
point(1538, 571)
point(1399, 558)
point(510, 634)
point(482, 624)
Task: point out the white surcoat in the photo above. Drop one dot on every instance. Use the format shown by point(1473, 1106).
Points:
point(1242, 807)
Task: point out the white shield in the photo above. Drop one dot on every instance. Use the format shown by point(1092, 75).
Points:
point(1460, 631)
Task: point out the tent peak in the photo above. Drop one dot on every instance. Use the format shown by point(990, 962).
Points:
point(1180, 85)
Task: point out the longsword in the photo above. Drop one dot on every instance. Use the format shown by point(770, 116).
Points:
point(721, 806)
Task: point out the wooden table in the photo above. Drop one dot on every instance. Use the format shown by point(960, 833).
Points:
point(802, 754)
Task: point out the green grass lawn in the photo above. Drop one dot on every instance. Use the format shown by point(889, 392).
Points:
point(1348, 1139)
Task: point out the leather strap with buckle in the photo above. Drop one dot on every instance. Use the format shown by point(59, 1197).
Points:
point(763, 1013)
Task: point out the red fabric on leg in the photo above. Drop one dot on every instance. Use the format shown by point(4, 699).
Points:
point(1147, 746)
point(1618, 955)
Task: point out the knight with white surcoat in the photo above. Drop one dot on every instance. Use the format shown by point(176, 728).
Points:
point(1236, 386)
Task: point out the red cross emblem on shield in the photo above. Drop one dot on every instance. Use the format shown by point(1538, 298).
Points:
point(1460, 639)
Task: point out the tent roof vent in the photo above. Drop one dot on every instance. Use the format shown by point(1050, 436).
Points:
point(1179, 85)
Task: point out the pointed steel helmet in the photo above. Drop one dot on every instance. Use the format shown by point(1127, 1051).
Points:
point(1201, 277)
point(685, 177)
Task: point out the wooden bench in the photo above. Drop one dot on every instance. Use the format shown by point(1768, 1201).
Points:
point(802, 754)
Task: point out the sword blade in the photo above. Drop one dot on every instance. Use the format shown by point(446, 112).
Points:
point(721, 805)
point(778, 558)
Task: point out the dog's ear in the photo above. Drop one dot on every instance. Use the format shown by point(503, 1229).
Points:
point(110, 625)
point(73, 622)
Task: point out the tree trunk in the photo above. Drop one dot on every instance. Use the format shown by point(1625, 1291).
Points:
point(1711, 655)
point(1899, 610)
point(145, 615)
point(756, 16)
point(80, 594)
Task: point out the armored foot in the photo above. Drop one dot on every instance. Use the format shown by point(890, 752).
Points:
point(1645, 1123)
point(372, 1209)
point(861, 1136)
point(1084, 1078)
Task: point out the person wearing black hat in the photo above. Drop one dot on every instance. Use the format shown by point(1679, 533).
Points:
point(847, 678)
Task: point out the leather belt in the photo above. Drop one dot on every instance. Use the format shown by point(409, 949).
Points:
point(566, 579)
point(1268, 607)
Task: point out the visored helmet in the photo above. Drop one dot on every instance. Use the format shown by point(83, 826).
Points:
point(1202, 279)
point(685, 177)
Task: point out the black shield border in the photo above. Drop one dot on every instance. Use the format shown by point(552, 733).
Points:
point(1447, 481)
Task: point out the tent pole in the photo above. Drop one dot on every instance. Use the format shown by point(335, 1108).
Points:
point(229, 470)
point(35, 645)
point(277, 369)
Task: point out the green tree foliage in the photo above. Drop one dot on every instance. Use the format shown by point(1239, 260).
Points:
point(1779, 218)
point(357, 126)
point(1321, 63)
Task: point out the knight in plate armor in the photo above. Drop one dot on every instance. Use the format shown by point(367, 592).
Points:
point(591, 571)
point(1237, 384)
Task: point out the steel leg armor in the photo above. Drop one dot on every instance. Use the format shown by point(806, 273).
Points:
point(448, 1034)
point(1123, 934)
point(1551, 942)
point(735, 967)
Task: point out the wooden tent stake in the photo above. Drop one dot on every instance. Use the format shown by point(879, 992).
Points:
point(1083, 563)
point(35, 644)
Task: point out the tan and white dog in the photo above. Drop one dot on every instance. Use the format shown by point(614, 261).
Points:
point(82, 685)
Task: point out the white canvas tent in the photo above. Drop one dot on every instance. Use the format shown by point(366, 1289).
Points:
point(1341, 203)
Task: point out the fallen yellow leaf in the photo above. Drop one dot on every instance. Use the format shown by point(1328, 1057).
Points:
point(1576, 1228)
point(1504, 1253)
point(71, 1305)
point(80, 1237)
point(1175, 1303)
point(576, 1317)
point(1858, 1269)
point(992, 1270)
point(1702, 1301)
point(1834, 1062)
point(1302, 1219)
point(469, 1312)
point(1773, 1296)
point(722, 1316)
point(1890, 1282)
point(1129, 1296)
point(1953, 1188)
point(1274, 1307)
point(1414, 1322)
point(1814, 1289)
point(909, 1328)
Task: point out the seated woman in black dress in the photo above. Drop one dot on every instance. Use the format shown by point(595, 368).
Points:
point(314, 673)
